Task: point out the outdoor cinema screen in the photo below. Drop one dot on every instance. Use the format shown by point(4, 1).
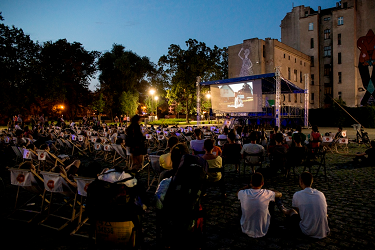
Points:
point(237, 97)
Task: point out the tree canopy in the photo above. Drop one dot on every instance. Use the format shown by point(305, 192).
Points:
point(123, 70)
point(181, 67)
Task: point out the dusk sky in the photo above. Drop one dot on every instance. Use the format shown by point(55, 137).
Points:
point(149, 27)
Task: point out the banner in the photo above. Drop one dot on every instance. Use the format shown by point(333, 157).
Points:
point(82, 185)
point(26, 154)
point(41, 155)
point(53, 183)
point(21, 178)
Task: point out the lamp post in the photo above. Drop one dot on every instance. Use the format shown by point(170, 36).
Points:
point(156, 106)
point(152, 92)
point(208, 96)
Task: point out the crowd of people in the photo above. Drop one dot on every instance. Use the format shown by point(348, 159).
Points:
point(206, 148)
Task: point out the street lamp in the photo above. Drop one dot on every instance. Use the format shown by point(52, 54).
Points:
point(156, 107)
point(152, 92)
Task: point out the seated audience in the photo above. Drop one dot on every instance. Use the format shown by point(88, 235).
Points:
point(255, 206)
point(165, 159)
point(232, 151)
point(254, 150)
point(370, 159)
point(197, 144)
point(309, 213)
point(278, 154)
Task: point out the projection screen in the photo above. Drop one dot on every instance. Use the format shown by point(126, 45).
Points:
point(237, 97)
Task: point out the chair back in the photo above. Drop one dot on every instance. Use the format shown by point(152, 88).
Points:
point(21, 177)
point(154, 160)
point(343, 133)
point(82, 184)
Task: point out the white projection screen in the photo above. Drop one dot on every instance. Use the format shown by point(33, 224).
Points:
point(237, 97)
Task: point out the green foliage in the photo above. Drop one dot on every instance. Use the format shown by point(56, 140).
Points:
point(129, 103)
point(181, 67)
point(121, 71)
point(36, 77)
point(98, 104)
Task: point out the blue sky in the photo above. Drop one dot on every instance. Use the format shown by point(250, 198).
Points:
point(149, 27)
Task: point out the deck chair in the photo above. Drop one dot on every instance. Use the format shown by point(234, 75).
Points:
point(82, 184)
point(27, 179)
point(54, 183)
point(342, 145)
point(99, 153)
point(73, 146)
point(119, 155)
point(252, 160)
point(19, 155)
point(108, 152)
point(155, 168)
point(318, 158)
point(128, 156)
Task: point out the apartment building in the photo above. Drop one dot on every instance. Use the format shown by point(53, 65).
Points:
point(340, 42)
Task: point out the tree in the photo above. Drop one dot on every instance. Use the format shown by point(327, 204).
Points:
point(181, 67)
point(99, 105)
point(129, 102)
point(66, 69)
point(123, 71)
point(18, 56)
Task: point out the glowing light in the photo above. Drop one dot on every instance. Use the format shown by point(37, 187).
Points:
point(156, 98)
point(208, 96)
point(152, 91)
point(62, 107)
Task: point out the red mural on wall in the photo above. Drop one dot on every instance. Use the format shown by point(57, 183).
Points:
point(366, 45)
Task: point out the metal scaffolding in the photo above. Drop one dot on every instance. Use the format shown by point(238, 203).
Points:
point(306, 100)
point(277, 97)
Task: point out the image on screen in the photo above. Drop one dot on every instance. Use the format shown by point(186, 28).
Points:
point(237, 97)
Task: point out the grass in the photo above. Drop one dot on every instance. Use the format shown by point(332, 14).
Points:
point(175, 122)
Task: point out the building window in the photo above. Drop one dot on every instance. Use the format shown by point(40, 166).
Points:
point(312, 61)
point(339, 93)
point(311, 43)
point(295, 98)
point(340, 77)
point(289, 98)
point(304, 64)
point(284, 55)
point(264, 51)
point(327, 18)
point(312, 97)
point(288, 57)
point(327, 34)
point(300, 62)
point(300, 76)
point(338, 39)
point(312, 79)
point(311, 26)
point(339, 58)
point(295, 75)
point(288, 73)
point(306, 13)
point(340, 20)
point(327, 70)
point(327, 51)
point(345, 5)
point(295, 60)
point(300, 98)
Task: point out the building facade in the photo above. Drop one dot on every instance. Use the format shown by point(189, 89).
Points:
point(256, 56)
point(340, 41)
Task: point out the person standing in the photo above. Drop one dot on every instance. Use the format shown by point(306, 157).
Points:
point(135, 139)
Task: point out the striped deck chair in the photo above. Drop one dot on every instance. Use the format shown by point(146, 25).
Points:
point(99, 153)
point(119, 155)
point(19, 155)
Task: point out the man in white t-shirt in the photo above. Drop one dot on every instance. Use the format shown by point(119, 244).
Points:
point(309, 215)
point(252, 148)
point(255, 218)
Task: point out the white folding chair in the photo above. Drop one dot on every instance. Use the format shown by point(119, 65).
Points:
point(25, 178)
point(156, 169)
point(82, 184)
point(121, 155)
point(54, 183)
